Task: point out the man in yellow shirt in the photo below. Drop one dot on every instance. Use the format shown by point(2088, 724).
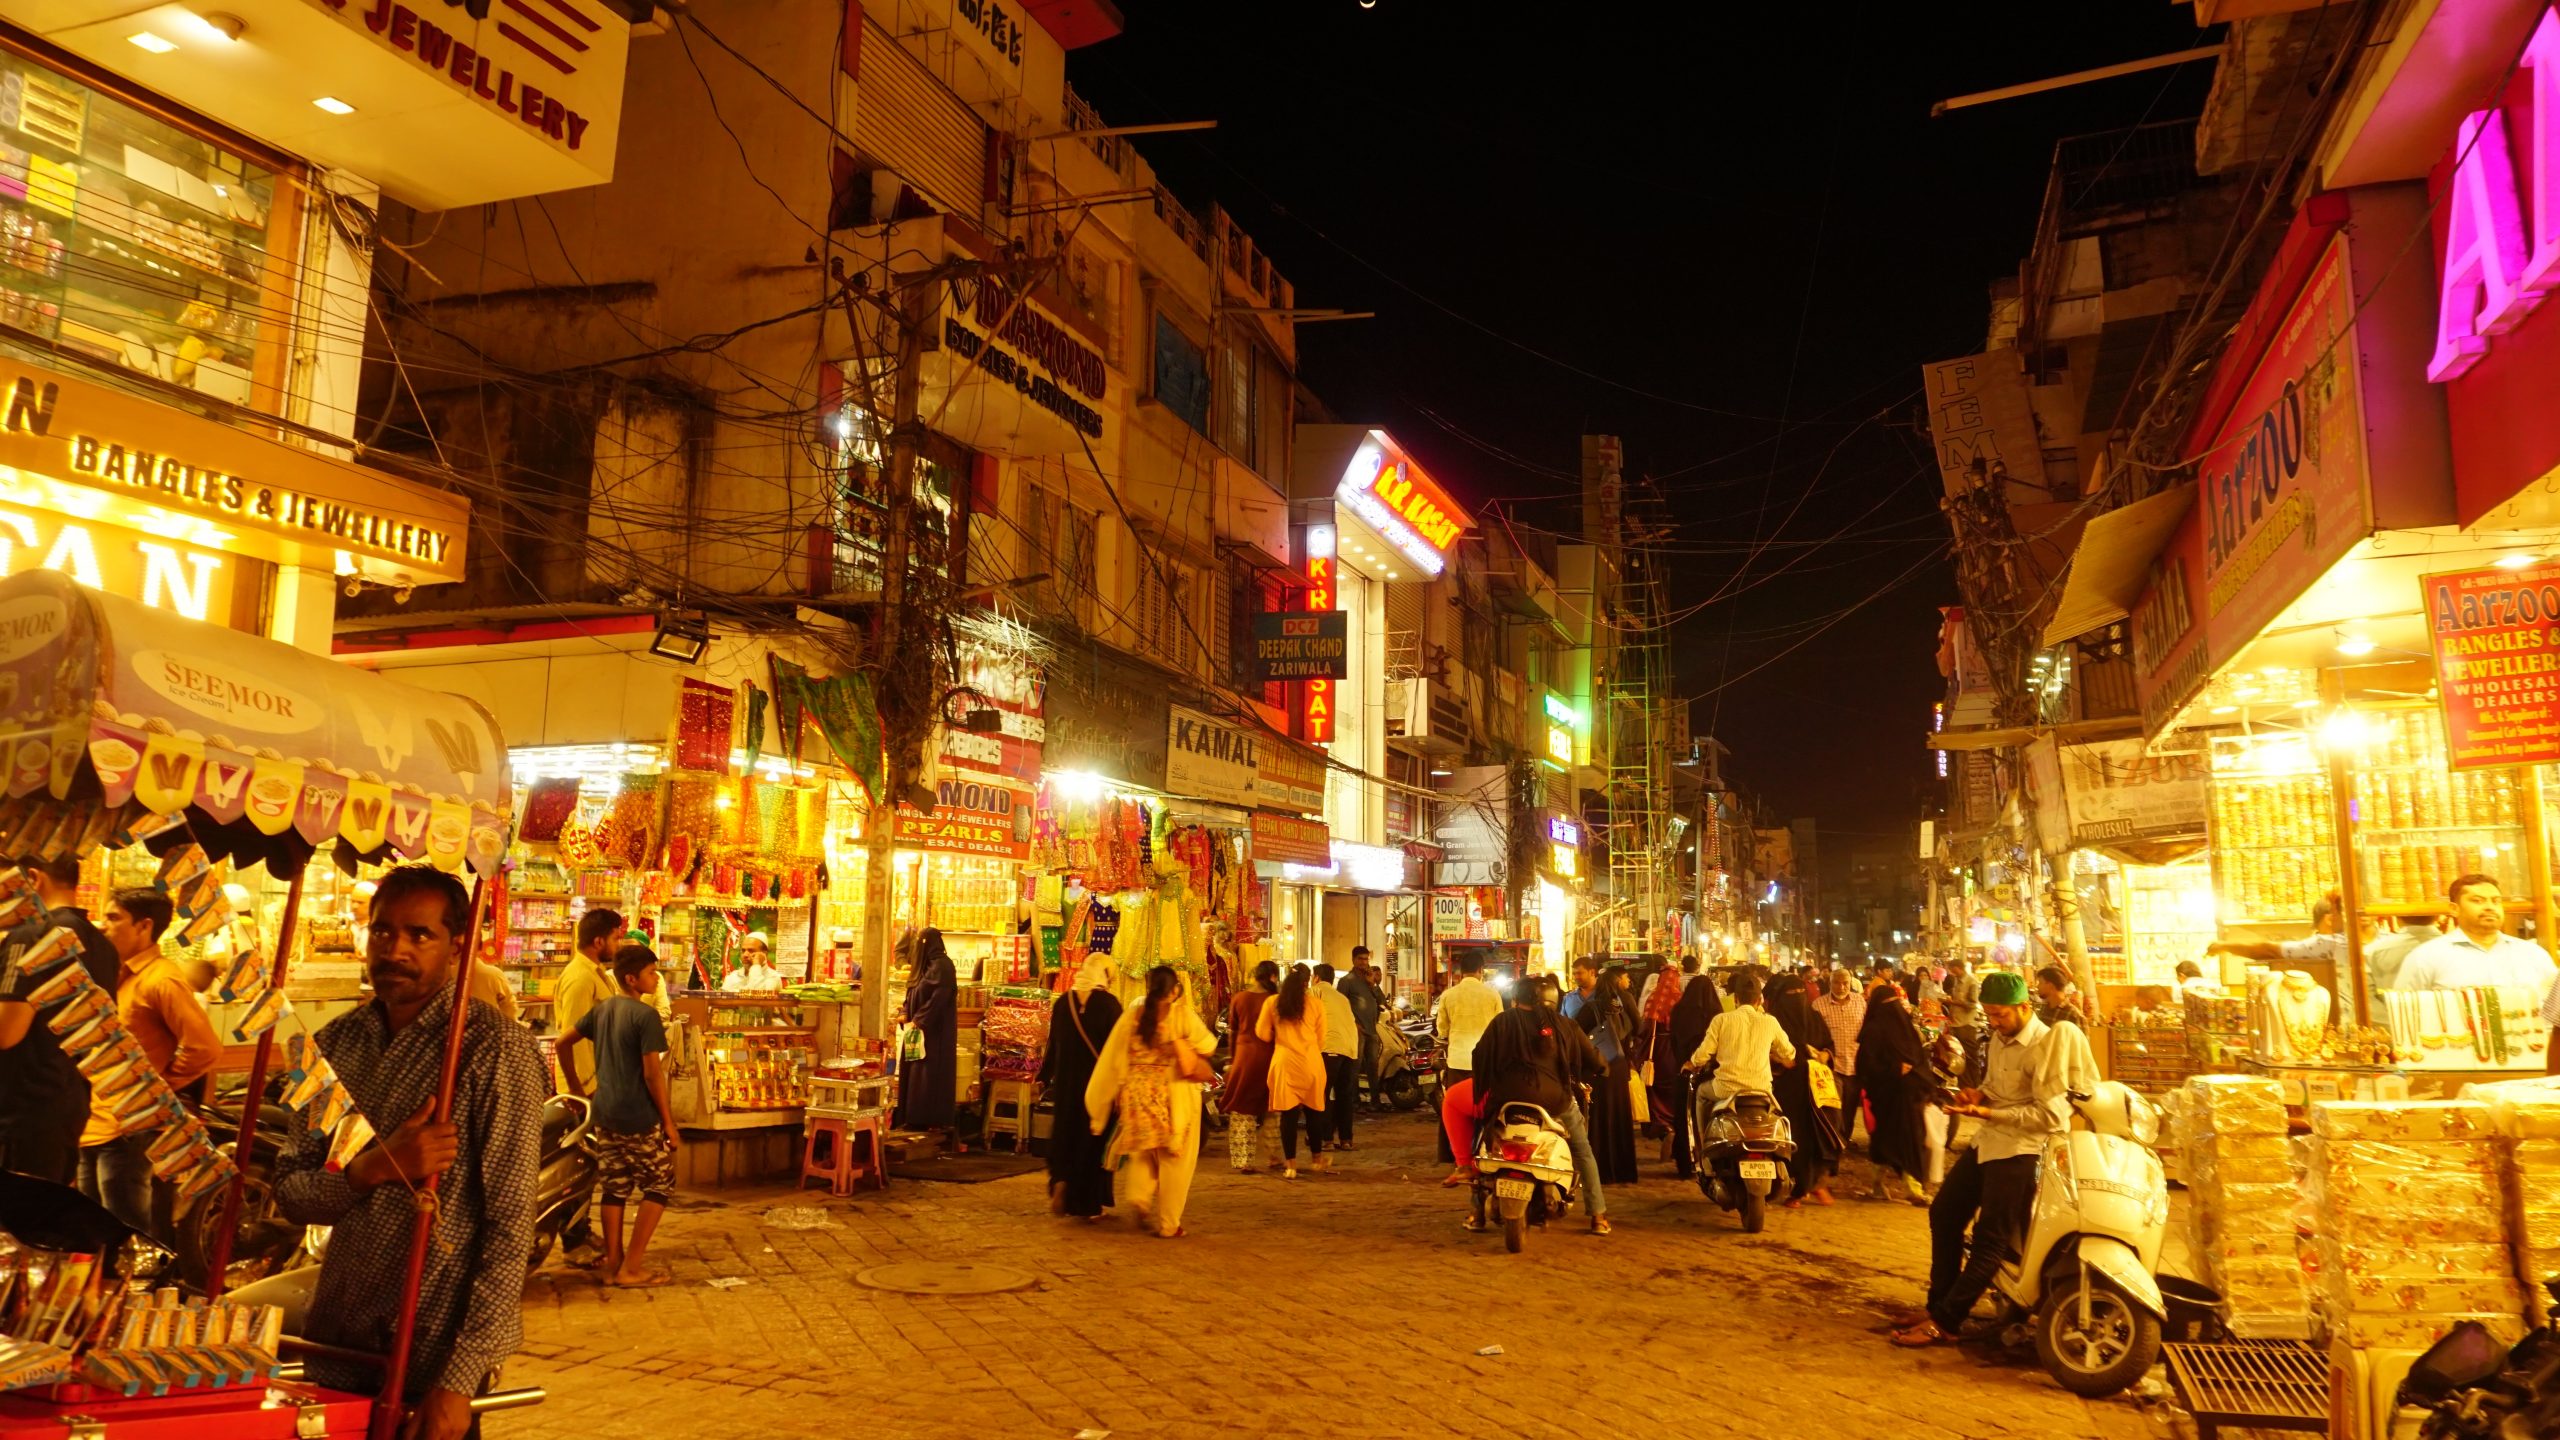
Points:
point(160, 1011)
point(584, 981)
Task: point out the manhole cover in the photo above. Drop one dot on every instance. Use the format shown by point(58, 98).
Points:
point(924, 1277)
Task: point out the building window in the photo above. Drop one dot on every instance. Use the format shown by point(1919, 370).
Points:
point(1161, 615)
point(1059, 543)
point(1182, 375)
point(136, 241)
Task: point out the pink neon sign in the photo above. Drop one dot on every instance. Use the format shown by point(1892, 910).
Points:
point(2502, 230)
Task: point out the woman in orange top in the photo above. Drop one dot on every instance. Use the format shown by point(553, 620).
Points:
point(1295, 1029)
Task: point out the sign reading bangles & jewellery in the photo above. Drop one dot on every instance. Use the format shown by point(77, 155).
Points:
point(2496, 634)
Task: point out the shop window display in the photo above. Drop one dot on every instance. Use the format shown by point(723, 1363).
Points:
point(132, 240)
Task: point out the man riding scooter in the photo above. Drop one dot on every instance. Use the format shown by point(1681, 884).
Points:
point(2022, 1107)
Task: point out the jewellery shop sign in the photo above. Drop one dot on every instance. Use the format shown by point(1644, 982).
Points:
point(66, 441)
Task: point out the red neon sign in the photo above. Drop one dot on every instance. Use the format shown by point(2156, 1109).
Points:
point(1319, 701)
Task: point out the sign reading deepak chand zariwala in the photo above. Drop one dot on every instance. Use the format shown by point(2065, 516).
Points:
point(173, 473)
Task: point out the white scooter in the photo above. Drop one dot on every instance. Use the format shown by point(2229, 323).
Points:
point(1524, 1172)
point(2083, 1276)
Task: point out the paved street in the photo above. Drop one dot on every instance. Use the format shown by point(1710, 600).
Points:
point(1349, 1305)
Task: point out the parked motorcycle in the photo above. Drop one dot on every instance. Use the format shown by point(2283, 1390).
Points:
point(2084, 1273)
point(1743, 1151)
point(1523, 1172)
point(1408, 1064)
point(268, 1244)
point(568, 1178)
point(2474, 1390)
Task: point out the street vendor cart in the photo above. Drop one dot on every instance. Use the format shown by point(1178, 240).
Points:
point(129, 732)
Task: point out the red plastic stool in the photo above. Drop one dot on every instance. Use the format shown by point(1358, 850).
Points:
point(844, 1167)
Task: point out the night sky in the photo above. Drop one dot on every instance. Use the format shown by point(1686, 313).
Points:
point(1729, 234)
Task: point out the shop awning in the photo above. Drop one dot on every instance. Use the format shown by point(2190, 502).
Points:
point(111, 711)
point(2069, 732)
point(2112, 561)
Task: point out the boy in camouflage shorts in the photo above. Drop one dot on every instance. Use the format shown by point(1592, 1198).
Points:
point(635, 1126)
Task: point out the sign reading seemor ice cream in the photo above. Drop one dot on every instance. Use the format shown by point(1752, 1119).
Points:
point(1384, 487)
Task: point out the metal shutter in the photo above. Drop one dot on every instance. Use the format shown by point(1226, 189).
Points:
point(912, 123)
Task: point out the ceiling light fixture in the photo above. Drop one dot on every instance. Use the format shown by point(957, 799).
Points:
point(153, 43)
point(2516, 561)
point(334, 105)
point(2353, 646)
point(225, 26)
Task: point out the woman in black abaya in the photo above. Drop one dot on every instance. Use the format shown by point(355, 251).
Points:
point(1894, 1071)
point(1698, 1005)
point(1817, 1130)
point(928, 1089)
point(1600, 1004)
point(1079, 1022)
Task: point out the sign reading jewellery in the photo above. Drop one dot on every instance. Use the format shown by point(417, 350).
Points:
point(216, 486)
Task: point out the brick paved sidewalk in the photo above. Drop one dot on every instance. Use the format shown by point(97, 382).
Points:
point(1344, 1305)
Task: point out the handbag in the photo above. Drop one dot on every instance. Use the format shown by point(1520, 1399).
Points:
point(1190, 1065)
point(1826, 1086)
point(1635, 1093)
point(911, 1043)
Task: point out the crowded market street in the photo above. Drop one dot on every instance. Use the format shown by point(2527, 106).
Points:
point(1349, 1305)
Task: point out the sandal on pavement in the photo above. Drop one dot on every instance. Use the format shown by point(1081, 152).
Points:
point(1456, 1178)
point(650, 1281)
point(1290, 1173)
point(1472, 1225)
point(1922, 1335)
point(1822, 1197)
point(1599, 1225)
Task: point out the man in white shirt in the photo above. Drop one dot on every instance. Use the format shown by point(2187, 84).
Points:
point(2478, 952)
point(2023, 1105)
point(1465, 1008)
point(1740, 1041)
point(2326, 943)
point(755, 970)
point(1341, 1058)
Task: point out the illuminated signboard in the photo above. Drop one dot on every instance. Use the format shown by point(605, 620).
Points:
point(2502, 228)
point(1563, 831)
point(1402, 504)
point(1562, 712)
point(1564, 860)
point(1560, 745)
point(165, 575)
point(1319, 700)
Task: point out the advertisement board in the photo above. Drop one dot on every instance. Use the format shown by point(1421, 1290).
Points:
point(2497, 664)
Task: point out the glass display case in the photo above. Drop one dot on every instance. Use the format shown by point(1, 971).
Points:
point(757, 1055)
point(2274, 841)
point(2418, 825)
point(137, 241)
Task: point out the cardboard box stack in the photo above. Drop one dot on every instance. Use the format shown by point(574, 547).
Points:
point(2411, 1221)
point(2526, 1116)
point(2241, 1178)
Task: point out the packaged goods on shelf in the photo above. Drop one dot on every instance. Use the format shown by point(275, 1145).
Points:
point(2240, 1173)
point(2526, 1117)
point(2410, 1214)
point(2236, 1105)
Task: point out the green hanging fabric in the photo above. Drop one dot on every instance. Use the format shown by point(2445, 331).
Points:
point(788, 682)
point(756, 700)
point(850, 720)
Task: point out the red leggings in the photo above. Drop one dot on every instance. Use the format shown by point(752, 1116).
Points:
point(1459, 1116)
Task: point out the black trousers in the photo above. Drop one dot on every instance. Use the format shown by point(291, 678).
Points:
point(1369, 1063)
point(1849, 1097)
point(1448, 1081)
point(1316, 1124)
point(1341, 1096)
point(1995, 1198)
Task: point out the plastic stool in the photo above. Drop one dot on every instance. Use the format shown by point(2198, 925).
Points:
point(844, 1167)
point(1008, 1106)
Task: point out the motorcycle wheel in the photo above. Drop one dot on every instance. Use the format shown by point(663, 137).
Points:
point(542, 1238)
point(1515, 1225)
point(1403, 1091)
point(1755, 1206)
point(258, 1249)
point(2106, 1357)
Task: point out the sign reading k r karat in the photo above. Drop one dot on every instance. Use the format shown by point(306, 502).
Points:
point(1294, 645)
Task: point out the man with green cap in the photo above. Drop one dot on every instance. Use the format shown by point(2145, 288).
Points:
point(1992, 1187)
